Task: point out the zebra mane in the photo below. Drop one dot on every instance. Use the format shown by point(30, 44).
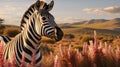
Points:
point(28, 13)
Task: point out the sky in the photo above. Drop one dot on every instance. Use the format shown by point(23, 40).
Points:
point(64, 11)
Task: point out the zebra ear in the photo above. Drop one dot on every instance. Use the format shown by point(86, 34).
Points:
point(50, 6)
point(40, 4)
point(37, 4)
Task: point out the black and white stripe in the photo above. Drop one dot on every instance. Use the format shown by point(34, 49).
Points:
point(36, 22)
point(4, 39)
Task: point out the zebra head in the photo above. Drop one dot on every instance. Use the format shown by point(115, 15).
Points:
point(48, 26)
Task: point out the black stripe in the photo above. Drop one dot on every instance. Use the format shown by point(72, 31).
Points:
point(34, 33)
point(49, 29)
point(46, 27)
point(29, 35)
point(32, 23)
point(30, 9)
point(8, 39)
point(29, 43)
point(27, 60)
point(37, 51)
point(22, 27)
point(20, 43)
point(46, 24)
point(29, 13)
point(42, 29)
point(26, 16)
point(23, 21)
point(26, 50)
point(4, 39)
point(18, 60)
point(38, 60)
point(45, 21)
point(50, 32)
point(34, 19)
point(6, 53)
point(18, 52)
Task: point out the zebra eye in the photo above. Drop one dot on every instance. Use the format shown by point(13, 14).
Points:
point(43, 18)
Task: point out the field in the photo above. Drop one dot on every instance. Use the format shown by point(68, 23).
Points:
point(75, 55)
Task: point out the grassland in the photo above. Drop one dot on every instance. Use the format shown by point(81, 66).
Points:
point(76, 49)
point(94, 55)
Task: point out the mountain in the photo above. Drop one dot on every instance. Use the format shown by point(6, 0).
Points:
point(116, 19)
point(96, 20)
point(102, 26)
point(92, 21)
point(66, 25)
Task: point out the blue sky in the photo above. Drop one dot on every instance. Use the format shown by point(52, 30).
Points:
point(64, 11)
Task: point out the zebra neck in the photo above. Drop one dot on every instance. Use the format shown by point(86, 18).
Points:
point(31, 38)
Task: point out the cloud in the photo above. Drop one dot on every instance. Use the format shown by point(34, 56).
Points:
point(12, 12)
point(107, 10)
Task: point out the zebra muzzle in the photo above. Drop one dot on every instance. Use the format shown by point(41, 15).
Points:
point(58, 34)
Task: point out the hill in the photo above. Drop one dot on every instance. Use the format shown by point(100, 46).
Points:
point(95, 20)
point(112, 24)
point(102, 26)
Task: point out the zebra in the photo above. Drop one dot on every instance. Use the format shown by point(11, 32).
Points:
point(38, 22)
point(29, 12)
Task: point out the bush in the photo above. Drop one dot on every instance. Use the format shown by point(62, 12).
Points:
point(69, 36)
point(80, 48)
point(87, 38)
point(47, 40)
point(2, 29)
point(11, 32)
point(107, 39)
point(45, 50)
point(1, 20)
